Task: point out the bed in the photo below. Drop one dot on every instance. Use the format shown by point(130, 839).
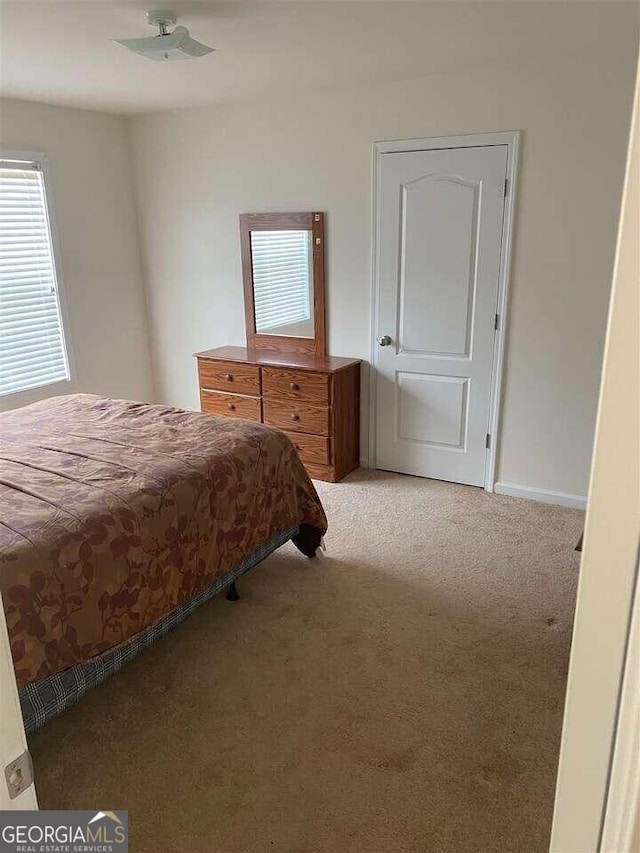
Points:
point(118, 519)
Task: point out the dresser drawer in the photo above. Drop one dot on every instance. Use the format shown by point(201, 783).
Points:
point(311, 448)
point(296, 416)
point(230, 405)
point(284, 384)
point(228, 376)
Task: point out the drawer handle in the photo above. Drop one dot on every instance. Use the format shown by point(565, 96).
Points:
point(294, 386)
point(295, 417)
point(229, 377)
point(232, 407)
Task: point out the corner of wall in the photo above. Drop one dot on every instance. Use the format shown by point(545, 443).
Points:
point(144, 278)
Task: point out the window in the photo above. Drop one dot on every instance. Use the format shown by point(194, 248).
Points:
point(32, 347)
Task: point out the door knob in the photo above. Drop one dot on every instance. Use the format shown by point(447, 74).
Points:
point(384, 341)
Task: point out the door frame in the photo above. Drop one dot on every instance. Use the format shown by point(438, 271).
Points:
point(511, 139)
point(621, 811)
point(13, 740)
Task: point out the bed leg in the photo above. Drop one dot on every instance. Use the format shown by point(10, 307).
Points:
point(232, 594)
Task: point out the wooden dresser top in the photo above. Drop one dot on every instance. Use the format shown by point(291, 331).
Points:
point(263, 358)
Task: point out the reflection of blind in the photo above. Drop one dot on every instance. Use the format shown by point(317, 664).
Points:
point(280, 277)
point(31, 343)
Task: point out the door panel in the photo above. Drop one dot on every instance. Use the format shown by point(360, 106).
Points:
point(432, 409)
point(440, 235)
point(437, 276)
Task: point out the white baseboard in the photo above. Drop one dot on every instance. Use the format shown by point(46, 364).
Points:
point(541, 495)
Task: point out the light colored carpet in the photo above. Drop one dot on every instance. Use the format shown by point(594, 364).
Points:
point(402, 694)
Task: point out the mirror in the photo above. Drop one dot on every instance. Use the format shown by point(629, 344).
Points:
point(283, 275)
point(283, 282)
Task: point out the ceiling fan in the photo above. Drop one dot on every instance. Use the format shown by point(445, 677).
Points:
point(166, 45)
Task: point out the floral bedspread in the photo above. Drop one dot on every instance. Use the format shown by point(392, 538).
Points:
point(113, 512)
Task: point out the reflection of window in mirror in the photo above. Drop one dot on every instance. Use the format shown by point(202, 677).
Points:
point(282, 264)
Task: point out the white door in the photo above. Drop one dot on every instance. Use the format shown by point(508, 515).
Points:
point(439, 231)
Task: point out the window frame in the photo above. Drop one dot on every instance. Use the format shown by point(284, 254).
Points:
point(55, 386)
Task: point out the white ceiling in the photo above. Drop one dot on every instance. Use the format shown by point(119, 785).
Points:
point(60, 51)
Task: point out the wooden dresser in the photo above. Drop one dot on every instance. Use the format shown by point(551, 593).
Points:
point(314, 399)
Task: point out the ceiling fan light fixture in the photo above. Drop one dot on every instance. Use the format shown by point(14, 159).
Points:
point(166, 46)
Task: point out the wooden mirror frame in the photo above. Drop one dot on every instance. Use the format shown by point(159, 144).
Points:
point(313, 222)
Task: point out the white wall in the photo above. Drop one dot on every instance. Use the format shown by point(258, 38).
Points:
point(90, 178)
point(197, 169)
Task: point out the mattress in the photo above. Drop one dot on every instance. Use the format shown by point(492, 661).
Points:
point(44, 699)
point(114, 513)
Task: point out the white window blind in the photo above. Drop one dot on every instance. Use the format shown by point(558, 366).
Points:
point(32, 349)
point(281, 277)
